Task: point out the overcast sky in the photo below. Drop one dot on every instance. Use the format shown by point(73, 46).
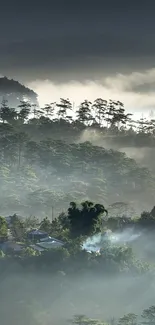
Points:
point(108, 45)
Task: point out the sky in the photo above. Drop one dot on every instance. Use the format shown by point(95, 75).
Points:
point(81, 49)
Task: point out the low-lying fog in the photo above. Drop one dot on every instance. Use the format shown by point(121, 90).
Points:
point(43, 299)
point(26, 296)
point(145, 156)
point(31, 298)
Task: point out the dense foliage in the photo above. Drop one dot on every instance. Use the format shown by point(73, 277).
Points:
point(147, 317)
point(45, 163)
point(13, 91)
point(61, 265)
point(79, 224)
point(55, 162)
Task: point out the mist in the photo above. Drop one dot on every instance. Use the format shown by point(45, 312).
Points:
point(60, 164)
point(135, 90)
point(77, 174)
point(41, 297)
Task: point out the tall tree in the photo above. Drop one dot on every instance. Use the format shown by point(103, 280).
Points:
point(25, 108)
point(50, 110)
point(17, 228)
point(3, 229)
point(7, 114)
point(99, 107)
point(21, 139)
point(63, 108)
point(129, 319)
point(148, 316)
point(84, 112)
point(142, 125)
point(116, 114)
point(87, 219)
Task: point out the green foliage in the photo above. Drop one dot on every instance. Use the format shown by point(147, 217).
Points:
point(148, 316)
point(129, 319)
point(39, 154)
point(3, 229)
point(83, 320)
point(17, 229)
point(85, 220)
point(52, 159)
point(45, 225)
point(28, 252)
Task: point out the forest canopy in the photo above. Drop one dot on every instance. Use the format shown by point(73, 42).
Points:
point(63, 172)
point(56, 159)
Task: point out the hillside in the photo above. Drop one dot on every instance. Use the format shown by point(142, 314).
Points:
point(13, 91)
point(49, 159)
point(51, 163)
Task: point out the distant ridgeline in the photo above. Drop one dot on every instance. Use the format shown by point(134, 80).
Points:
point(14, 92)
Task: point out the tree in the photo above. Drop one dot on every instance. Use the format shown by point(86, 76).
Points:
point(100, 107)
point(45, 225)
point(31, 222)
point(111, 108)
point(85, 220)
point(148, 316)
point(31, 150)
point(83, 320)
point(23, 114)
point(63, 107)
point(3, 229)
point(116, 114)
point(84, 112)
point(142, 125)
point(49, 110)
point(28, 252)
point(21, 139)
point(129, 319)
point(17, 228)
point(7, 114)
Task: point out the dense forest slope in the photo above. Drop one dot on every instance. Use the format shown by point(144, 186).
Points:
point(47, 160)
point(53, 173)
point(13, 91)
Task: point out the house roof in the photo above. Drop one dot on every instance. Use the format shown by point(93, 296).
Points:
point(37, 248)
point(37, 233)
point(50, 244)
point(11, 245)
point(50, 239)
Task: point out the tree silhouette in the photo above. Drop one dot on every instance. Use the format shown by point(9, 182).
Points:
point(99, 107)
point(3, 229)
point(87, 219)
point(63, 107)
point(84, 112)
point(148, 316)
point(7, 114)
point(24, 111)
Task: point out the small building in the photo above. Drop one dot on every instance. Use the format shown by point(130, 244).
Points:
point(50, 244)
point(37, 248)
point(37, 235)
point(50, 239)
point(11, 246)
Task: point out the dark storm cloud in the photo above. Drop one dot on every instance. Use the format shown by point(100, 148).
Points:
point(70, 36)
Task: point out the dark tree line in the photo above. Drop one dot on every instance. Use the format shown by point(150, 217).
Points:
point(101, 113)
